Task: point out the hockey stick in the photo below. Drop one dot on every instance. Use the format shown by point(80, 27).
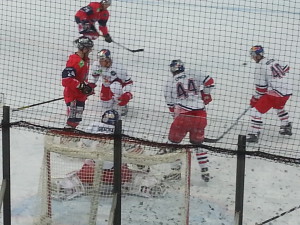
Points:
point(41, 103)
point(276, 217)
point(209, 140)
point(131, 50)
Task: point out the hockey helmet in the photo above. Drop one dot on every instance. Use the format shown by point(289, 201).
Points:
point(83, 42)
point(257, 50)
point(104, 54)
point(110, 117)
point(177, 66)
point(106, 2)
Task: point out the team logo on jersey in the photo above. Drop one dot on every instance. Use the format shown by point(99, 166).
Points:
point(81, 63)
point(113, 73)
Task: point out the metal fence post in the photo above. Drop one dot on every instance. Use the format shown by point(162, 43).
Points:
point(240, 177)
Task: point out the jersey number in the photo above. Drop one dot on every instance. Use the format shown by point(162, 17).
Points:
point(277, 71)
point(183, 92)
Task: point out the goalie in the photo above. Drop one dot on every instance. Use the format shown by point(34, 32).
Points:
point(134, 181)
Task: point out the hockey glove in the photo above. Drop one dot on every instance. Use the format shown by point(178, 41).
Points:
point(124, 98)
point(206, 98)
point(87, 89)
point(107, 38)
point(253, 101)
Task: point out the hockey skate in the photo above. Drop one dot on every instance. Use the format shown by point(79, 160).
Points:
point(286, 130)
point(253, 138)
point(205, 174)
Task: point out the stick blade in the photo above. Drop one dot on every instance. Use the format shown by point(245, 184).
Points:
point(209, 140)
point(137, 50)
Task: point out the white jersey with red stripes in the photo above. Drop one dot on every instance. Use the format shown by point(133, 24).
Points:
point(271, 77)
point(184, 90)
point(116, 72)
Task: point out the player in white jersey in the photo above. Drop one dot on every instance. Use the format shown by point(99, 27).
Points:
point(186, 94)
point(272, 90)
point(77, 183)
point(116, 82)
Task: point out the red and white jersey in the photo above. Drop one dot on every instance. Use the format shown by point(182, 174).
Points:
point(183, 90)
point(271, 77)
point(112, 74)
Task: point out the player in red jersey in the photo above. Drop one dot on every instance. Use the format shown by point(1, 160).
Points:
point(74, 80)
point(88, 15)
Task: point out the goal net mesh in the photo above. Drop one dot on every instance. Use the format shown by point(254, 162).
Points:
point(77, 176)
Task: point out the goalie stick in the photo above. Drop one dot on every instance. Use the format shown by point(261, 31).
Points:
point(211, 140)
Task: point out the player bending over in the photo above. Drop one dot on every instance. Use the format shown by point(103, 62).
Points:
point(116, 83)
point(88, 15)
point(186, 94)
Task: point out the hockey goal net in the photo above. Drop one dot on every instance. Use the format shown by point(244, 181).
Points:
point(76, 182)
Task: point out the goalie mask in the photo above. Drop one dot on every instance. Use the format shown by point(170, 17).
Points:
point(83, 42)
point(176, 66)
point(110, 117)
point(257, 50)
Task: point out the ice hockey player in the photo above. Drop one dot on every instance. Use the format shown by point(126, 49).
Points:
point(75, 81)
point(88, 15)
point(272, 90)
point(136, 182)
point(116, 83)
point(186, 94)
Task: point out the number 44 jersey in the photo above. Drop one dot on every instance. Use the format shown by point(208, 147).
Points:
point(183, 91)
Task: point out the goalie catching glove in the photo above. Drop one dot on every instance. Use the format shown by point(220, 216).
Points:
point(124, 98)
point(86, 88)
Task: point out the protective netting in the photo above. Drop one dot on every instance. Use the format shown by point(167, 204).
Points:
point(77, 178)
point(211, 36)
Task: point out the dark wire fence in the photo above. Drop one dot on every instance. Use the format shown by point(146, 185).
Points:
point(209, 36)
point(214, 38)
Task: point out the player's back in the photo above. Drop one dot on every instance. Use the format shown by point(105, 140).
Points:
point(185, 89)
point(276, 73)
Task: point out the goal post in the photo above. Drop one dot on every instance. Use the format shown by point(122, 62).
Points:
point(77, 176)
